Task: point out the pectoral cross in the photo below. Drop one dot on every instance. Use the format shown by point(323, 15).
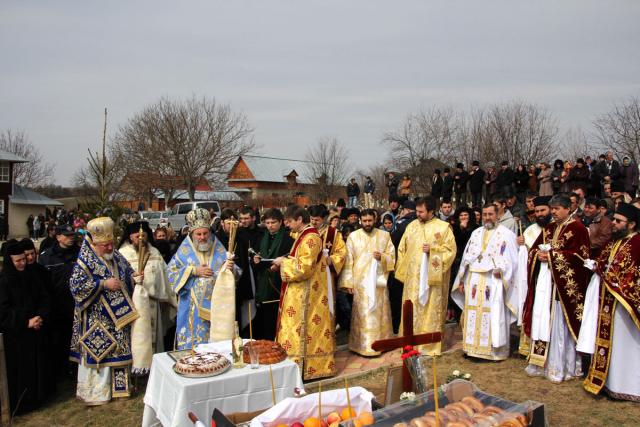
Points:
point(407, 338)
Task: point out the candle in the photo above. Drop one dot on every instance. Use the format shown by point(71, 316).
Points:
point(435, 392)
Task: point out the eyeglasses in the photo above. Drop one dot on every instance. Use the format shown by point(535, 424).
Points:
point(619, 221)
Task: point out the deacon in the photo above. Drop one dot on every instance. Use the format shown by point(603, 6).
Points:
point(192, 273)
point(425, 255)
point(555, 300)
point(615, 365)
point(101, 284)
point(370, 258)
point(154, 299)
point(275, 242)
point(542, 216)
point(305, 325)
point(334, 254)
point(484, 288)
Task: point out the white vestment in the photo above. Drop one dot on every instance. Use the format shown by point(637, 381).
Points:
point(623, 379)
point(489, 303)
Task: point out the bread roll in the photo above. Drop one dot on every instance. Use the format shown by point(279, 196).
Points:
point(474, 403)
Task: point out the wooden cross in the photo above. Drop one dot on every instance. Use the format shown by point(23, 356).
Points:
point(407, 338)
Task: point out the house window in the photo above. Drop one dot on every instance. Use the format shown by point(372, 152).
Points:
point(4, 172)
point(2, 206)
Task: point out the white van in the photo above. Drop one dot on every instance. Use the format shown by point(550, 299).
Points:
point(177, 216)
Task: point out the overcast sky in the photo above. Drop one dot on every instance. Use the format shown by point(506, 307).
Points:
point(301, 70)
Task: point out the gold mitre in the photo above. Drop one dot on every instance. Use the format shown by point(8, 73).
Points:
point(198, 218)
point(101, 229)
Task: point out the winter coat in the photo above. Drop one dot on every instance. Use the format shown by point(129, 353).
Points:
point(505, 179)
point(436, 186)
point(369, 187)
point(630, 176)
point(476, 181)
point(447, 187)
point(353, 190)
point(521, 180)
point(546, 187)
point(460, 181)
point(578, 177)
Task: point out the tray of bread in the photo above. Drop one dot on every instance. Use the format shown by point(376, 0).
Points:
point(269, 352)
point(201, 365)
point(461, 404)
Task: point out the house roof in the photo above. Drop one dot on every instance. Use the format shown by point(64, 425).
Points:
point(10, 157)
point(272, 169)
point(222, 196)
point(24, 196)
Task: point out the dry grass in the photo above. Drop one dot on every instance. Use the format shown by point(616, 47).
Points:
point(566, 404)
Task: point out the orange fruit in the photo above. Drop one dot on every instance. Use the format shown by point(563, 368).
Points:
point(312, 422)
point(366, 418)
point(282, 425)
point(347, 413)
point(357, 422)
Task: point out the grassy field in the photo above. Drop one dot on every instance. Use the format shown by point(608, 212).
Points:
point(566, 404)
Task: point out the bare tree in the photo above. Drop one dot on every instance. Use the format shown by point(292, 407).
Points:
point(35, 173)
point(619, 129)
point(521, 132)
point(329, 168)
point(192, 140)
point(576, 143)
point(424, 136)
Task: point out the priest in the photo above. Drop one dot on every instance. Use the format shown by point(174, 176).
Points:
point(484, 288)
point(425, 255)
point(542, 216)
point(334, 254)
point(554, 304)
point(305, 325)
point(154, 299)
point(192, 273)
point(615, 335)
point(370, 258)
point(102, 284)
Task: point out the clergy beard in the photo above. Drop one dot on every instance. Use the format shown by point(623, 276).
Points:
point(367, 229)
point(489, 225)
point(543, 221)
point(204, 246)
point(619, 234)
point(108, 256)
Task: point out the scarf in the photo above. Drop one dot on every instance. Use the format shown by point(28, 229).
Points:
point(269, 248)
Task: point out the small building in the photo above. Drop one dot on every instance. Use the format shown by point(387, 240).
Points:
point(270, 181)
point(24, 202)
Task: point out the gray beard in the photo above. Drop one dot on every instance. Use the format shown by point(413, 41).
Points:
point(108, 257)
point(204, 247)
point(489, 225)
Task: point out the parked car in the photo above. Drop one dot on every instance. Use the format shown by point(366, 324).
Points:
point(155, 218)
point(177, 216)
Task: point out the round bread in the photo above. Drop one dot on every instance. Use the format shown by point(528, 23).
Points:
point(461, 423)
point(512, 419)
point(423, 422)
point(490, 410)
point(269, 352)
point(474, 403)
point(400, 425)
point(466, 409)
point(484, 420)
point(202, 365)
point(455, 410)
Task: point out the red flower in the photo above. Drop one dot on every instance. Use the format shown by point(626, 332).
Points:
point(407, 348)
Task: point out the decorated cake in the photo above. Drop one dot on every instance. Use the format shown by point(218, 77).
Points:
point(269, 352)
point(202, 365)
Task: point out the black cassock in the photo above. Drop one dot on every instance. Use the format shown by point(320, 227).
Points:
point(23, 296)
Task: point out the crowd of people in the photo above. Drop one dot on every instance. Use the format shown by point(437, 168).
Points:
point(558, 263)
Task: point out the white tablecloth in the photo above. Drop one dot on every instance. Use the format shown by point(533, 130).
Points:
point(170, 396)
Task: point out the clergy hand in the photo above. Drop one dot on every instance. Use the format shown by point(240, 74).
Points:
point(426, 247)
point(256, 259)
point(347, 290)
point(543, 256)
point(230, 264)
point(278, 261)
point(377, 255)
point(35, 323)
point(520, 240)
point(138, 278)
point(204, 271)
point(461, 287)
point(274, 268)
point(497, 274)
point(113, 284)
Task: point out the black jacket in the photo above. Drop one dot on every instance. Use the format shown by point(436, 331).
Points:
point(460, 179)
point(521, 180)
point(353, 190)
point(505, 179)
point(476, 181)
point(59, 262)
point(447, 187)
point(401, 226)
point(436, 186)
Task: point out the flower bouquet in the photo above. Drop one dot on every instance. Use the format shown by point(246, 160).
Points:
point(457, 375)
point(412, 360)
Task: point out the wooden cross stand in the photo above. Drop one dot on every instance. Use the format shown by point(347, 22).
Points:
point(407, 338)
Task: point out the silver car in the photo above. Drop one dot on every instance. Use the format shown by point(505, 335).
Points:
point(155, 218)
